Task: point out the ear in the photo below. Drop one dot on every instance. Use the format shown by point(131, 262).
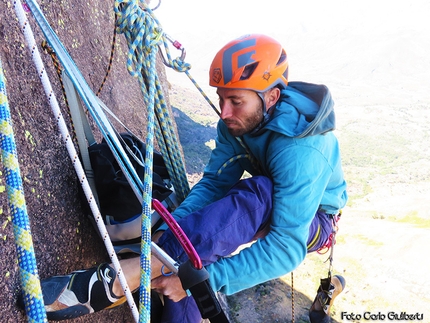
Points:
point(271, 97)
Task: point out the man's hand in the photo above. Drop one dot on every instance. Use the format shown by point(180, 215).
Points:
point(157, 235)
point(169, 286)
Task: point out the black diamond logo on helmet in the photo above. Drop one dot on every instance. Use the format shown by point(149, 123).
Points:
point(267, 76)
point(217, 75)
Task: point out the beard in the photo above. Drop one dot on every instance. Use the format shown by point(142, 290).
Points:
point(249, 124)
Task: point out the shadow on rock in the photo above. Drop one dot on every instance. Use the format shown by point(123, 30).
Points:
point(194, 138)
point(270, 302)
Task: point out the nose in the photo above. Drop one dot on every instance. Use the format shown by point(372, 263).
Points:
point(226, 110)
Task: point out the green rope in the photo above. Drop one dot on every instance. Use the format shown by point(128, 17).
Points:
point(143, 35)
point(179, 65)
point(131, 20)
point(142, 30)
point(33, 298)
point(170, 146)
point(231, 160)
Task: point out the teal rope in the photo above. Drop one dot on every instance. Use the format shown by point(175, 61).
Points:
point(33, 299)
point(231, 160)
point(131, 21)
point(170, 146)
point(179, 65)
point(142, 30)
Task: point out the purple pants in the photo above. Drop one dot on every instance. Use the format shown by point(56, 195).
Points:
point(221, 227)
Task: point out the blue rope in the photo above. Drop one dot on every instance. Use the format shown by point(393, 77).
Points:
point(33, 298)
point(179, 65)
point(142, 38)
point(142, 31)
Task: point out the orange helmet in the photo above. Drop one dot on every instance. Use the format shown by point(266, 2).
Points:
point(252, 62)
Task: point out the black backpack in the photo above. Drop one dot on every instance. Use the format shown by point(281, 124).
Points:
point(119, 206)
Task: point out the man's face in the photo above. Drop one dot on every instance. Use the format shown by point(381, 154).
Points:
point(241, 110)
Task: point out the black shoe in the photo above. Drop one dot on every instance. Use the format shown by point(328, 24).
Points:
point(82, 292)
point(327, 292)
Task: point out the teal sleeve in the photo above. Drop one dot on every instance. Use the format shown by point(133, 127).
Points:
point(214, 184)
point(300, 176)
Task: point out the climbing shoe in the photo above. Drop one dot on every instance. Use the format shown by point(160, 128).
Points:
point(82, 292)
point(327, 292)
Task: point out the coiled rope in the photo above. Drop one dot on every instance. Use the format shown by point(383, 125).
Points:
point(107, 131)
point(144, 34)
point(134, 23)
point(31, 44)
point(33, 299)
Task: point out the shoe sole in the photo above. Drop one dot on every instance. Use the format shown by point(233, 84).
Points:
point(68, 313)
point(321, 316)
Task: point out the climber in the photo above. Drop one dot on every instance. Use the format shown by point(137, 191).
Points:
point(281, 134)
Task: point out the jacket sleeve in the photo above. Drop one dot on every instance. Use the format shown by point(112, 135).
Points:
point(216, 180)
point(300, 175)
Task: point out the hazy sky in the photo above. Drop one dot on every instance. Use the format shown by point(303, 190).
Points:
point(364, 41)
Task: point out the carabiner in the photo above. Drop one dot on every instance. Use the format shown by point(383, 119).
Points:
point(177, 45)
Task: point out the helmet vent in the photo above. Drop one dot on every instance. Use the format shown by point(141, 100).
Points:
point(248, 70)
point(282, 58)
point(285, 74)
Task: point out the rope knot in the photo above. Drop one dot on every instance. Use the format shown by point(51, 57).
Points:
point(179, 65)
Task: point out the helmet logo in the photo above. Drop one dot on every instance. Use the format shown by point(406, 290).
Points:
point(216, 75)
point(267, 76)
point(240, 54)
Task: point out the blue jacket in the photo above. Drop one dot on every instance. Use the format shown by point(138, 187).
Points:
point(299, 152)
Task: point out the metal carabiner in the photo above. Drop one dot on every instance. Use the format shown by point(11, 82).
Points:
point(156, 7)
point(177, 45)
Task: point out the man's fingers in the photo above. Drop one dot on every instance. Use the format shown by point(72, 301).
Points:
point(170, 286)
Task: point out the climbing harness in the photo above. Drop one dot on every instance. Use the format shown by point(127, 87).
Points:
point(33, 299)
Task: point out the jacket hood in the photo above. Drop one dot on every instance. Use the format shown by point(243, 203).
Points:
point(303, 110)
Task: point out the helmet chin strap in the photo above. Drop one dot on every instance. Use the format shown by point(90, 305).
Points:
point(266, 116)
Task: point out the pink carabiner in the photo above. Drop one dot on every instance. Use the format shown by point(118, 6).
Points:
point(178, 233)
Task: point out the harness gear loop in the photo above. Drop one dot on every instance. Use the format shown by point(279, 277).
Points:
point(331, 241)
